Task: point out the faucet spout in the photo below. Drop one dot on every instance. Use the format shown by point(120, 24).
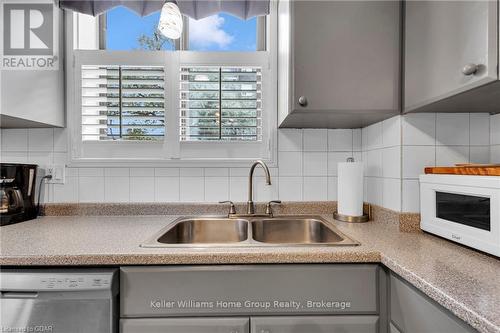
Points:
point(250, 204)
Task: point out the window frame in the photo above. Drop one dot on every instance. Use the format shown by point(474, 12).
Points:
point(174, 152)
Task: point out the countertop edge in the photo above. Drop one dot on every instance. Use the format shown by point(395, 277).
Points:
point(474, 319)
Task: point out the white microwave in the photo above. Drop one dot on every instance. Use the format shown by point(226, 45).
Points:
point(464, 209)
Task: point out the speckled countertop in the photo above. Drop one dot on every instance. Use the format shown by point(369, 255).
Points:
point(462, 280)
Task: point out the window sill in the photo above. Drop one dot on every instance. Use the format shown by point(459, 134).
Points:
point(171, 163)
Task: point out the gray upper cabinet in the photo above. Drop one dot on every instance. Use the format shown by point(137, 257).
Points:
point(451, 56)
point(34, 96)
point(343, 64)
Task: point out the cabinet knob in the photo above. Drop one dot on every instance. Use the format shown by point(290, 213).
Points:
point(302, 101)
point(470, 69)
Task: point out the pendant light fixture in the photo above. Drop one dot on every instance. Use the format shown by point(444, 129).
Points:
point(170, 24)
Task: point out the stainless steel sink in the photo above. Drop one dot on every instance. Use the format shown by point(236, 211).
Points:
point(285, 230)
point(206, 230)
point(253, 231)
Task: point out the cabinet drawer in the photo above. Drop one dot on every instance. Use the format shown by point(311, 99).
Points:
point(322, 324)
point(248, 290)
point(414, 312)
point(185, 325)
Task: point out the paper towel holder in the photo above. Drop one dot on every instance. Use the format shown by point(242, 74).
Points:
point(354, 219)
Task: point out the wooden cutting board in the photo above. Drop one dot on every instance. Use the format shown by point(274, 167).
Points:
point(466, 169)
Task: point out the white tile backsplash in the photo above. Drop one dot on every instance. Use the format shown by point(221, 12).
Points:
point(450, 155)
point(340, 140)
point(334, 158)
point(192, 189)
point(307, 163)
point(40, 139)
point(495, 129)
point(391, 194)
point(167, 189)
point(315, 189)
point(290, 188)
point(14, 140)
point(411, 196)
point(67, 192)
point(479, 129)
point(332, 188)
point(495, 154)
point(238, 189)
point(60, 140)
point(416, 158)
point(315, 140)
point(90, 189)
point(262, 191)
point(116, 172)
point(419, 129)
point(373, 165)
point(142, 189)
point(216, 172)
point(290, 164)
point(391, 132)
point(14, 157)
point(452, 129)
point(391, 162)
point(290, 139)
point(91, 172)
point(216, 189)
point(117, 189)
point(167, 172)
point(142, 172)
point(315, 164)
point(192, 172)
point(480, 154)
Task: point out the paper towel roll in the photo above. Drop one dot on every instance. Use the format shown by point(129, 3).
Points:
point(350, 188)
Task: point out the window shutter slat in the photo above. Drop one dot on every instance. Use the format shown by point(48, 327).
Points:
point(123, 103)
point(220, 103)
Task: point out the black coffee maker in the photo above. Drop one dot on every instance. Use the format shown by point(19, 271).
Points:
point(17, 193)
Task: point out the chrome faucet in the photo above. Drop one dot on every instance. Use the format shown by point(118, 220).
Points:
point(250, 204)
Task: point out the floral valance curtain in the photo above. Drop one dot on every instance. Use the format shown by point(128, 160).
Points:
point(196, 9)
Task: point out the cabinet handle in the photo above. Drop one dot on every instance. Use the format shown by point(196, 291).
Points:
point(302, 101)
point(470, 69)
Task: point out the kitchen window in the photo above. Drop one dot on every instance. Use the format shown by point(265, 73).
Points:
point(140, 98)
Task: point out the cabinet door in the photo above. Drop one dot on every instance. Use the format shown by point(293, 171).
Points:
point(345, 55)
point(185, 325)
point(413, 312)
point(344, 324)
point(441, 38)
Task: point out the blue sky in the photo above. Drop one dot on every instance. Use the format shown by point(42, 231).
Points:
point(221, 32)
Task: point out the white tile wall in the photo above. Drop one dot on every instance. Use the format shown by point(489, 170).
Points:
point(394, 153)
point(306, 170)
point(495, 138)
point(382, 163)
point(441, 139)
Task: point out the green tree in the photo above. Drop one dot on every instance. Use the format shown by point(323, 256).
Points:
point(154, 42)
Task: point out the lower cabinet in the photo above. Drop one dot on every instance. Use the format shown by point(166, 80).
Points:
point(413, 312)
point(313, 324)
point(185, 325)
point(284, 324)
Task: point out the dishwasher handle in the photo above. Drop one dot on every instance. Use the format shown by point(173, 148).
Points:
point(18, 294)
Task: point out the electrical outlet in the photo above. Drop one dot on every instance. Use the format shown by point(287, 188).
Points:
point(57, 173)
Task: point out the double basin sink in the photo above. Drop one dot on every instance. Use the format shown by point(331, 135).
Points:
point(249, 232)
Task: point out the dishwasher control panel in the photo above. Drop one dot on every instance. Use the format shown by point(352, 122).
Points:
point(55, 281)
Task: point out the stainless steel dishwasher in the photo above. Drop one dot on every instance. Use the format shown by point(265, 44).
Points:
point(58, 301)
